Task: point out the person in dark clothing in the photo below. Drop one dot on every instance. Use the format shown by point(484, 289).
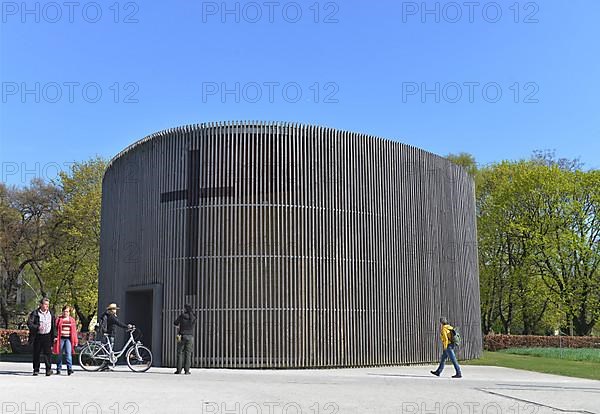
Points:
point(42, 331)
point(185, 339)
point(108, 325)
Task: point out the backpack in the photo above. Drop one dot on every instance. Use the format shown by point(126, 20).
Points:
point(455, 338)
point(102, 326)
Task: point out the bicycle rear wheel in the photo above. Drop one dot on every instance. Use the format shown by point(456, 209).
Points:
point(139, 361)
point(92, 357)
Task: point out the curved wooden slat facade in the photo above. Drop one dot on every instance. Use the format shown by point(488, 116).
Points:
point(297, 245)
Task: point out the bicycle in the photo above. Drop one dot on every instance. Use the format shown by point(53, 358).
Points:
point(96, 354)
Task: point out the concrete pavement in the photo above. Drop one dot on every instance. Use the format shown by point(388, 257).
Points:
point(399, 390)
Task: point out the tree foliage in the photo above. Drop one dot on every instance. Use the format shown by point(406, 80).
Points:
point(465, 160)
point(539, 245)
point(27, 230)
point(49, 240)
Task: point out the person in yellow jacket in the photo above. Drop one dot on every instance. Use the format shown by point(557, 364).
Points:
point(446, 335)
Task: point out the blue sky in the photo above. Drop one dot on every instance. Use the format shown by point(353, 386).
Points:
point(358, 66)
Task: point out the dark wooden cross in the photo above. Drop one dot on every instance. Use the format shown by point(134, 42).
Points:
point(193, 194)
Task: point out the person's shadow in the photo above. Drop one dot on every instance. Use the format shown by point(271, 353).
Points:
point(20, 373)
point(402, 375)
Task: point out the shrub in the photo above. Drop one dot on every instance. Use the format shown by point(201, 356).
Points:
point(5, 333)
point(24, 334)
point(498, 342)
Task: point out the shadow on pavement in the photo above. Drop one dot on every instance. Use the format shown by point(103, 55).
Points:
point(402, 375)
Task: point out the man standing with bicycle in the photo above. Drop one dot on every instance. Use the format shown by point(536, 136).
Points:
point(108, 324)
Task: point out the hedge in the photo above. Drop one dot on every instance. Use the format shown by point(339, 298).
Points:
point(491, 342)
point(24, 334)
point(5, 333)
point(496, 342)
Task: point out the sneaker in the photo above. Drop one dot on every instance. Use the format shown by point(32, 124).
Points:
point(437, 374)
point(457, 376)
point(49, 372)
point(58, 372)
point(35, 373)
point(177, 372)
point(69, 371)
point(188, 373)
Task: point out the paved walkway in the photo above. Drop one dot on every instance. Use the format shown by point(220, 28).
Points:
point(398, 390)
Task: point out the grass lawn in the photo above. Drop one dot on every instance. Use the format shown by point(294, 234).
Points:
point(572, 354)
point(579, 369)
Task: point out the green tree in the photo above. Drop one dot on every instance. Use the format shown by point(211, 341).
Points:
point(538, 230)
point(27, 231)
point(567, 242)
point(49, 240)
point(77, 255)
point(465, 160)
point(509, 299)
point(12, 257)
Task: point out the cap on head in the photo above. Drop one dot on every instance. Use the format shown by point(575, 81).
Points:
point(112, 307)
point(444, 320)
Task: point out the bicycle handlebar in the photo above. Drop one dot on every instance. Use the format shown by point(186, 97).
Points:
point(133, 328)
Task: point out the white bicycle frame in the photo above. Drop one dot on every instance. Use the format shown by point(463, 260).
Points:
point(112, 356)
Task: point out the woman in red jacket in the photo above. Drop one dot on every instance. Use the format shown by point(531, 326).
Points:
point(66, 340)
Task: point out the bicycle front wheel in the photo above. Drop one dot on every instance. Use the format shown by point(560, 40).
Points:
point(140, 360)
point(92, 357)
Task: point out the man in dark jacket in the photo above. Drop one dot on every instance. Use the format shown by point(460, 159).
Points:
point(108, 325)
point(185, 339)
point(42, 331)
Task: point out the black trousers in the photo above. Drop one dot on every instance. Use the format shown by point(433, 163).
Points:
point(42, 345)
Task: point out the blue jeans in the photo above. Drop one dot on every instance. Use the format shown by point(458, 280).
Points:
point(449, 353)
point(65, 346)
